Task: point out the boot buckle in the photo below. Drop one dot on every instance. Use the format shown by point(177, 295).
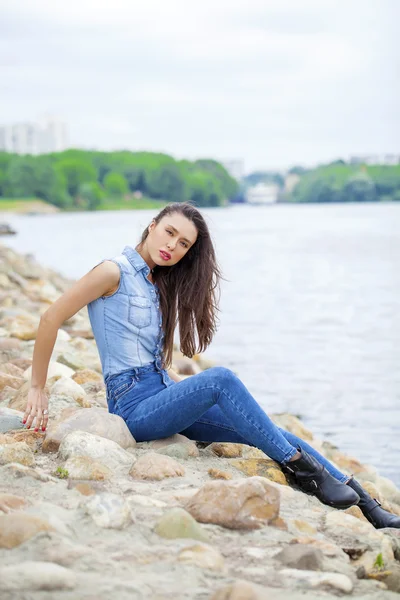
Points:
point(377, 501)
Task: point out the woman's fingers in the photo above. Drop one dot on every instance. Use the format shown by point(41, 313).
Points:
point(37, 403)
point(44, 422)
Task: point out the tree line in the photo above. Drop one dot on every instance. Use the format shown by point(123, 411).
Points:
point(341, 182)
point(334, 182)
point(79, 179)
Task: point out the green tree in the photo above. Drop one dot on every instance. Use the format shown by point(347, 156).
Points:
point(76, 171)
point(90, 195)
point(115, 184)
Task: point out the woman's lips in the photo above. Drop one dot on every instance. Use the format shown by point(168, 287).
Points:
point(164, 255)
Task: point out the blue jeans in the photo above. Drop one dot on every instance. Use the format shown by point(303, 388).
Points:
point(211, 406)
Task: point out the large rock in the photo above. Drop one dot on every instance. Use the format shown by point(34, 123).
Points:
point(35, 575)
point(109, 510)
point(203, 556)
point(241, 504)
point(263, 467)
point(13, 381)
point(55, 369)
point(293, 425)
point(84, 467)
point(107, 452)
point(310, 580)
point(92, 420)
point(156, 467)
point(18, 452)
point(65, 386)
point(22, 327)
point(10, 419)
point(178, 523)
point(87, 376)
point(17, 527)
point(300, 556)
point(358, 539)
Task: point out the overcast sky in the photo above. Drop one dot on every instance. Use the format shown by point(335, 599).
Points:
point(273, 82)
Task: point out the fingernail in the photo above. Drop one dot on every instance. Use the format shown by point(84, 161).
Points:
point(28, 427)
point(24, 422)
point(43, 428)
point(36, 429)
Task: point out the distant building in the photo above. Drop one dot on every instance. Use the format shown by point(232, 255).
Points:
point(48, 135)
point(291, 180)
point(375, 159)
point(235, 168)
point(263, 193)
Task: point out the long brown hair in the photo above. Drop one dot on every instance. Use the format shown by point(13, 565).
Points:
point(189, 290)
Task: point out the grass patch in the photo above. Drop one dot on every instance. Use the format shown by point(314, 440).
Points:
point(24, 205)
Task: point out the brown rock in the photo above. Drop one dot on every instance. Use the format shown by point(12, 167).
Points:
point(10, 502)
point(86, 376)
point(11, 381)
point(279, 523)
point(17, 452)
point(85, 489)
point(185, 366)
point(10, 369)
point(217, 474)
point(17, 527)
point(156, 467)
point(226, 449)
point(355, 511)
point(241, 504)
point(263, 467)
point(304, 527)
point(293, 425)
point(22, 363)
point(34, 439)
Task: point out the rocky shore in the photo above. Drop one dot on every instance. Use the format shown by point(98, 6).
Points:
point(88, 513)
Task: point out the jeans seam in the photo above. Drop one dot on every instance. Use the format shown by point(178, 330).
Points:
point(288, 455)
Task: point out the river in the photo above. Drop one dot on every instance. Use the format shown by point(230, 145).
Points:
point(310, 314)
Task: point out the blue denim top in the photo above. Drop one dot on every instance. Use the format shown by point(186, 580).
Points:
point(127, 326)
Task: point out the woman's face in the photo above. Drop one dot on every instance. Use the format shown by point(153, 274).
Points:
point(175, 235)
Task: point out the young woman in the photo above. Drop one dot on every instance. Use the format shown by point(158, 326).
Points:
point(135, 300)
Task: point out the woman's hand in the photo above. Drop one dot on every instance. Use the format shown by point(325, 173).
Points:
point(37, 406)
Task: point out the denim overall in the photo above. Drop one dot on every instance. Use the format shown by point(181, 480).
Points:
point(213, 405)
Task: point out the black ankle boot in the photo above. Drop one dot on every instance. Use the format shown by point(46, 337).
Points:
point(312, 478)
point(371, 508)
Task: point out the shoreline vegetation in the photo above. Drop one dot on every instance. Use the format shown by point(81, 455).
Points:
point(79, 180)
point(83, 506)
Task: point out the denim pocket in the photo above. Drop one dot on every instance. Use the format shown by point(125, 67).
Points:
point(139, 311)
point(120, 386)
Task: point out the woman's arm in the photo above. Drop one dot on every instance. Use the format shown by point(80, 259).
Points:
point(94, 284)
point(174, 375)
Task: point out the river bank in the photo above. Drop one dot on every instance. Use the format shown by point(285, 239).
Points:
point(35, 206)
point(85, 511)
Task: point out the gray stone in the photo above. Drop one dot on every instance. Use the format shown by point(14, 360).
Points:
point(300, 556)
point(177, 523)
point(107, 452)
point(109, 510)
point(35, 575)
